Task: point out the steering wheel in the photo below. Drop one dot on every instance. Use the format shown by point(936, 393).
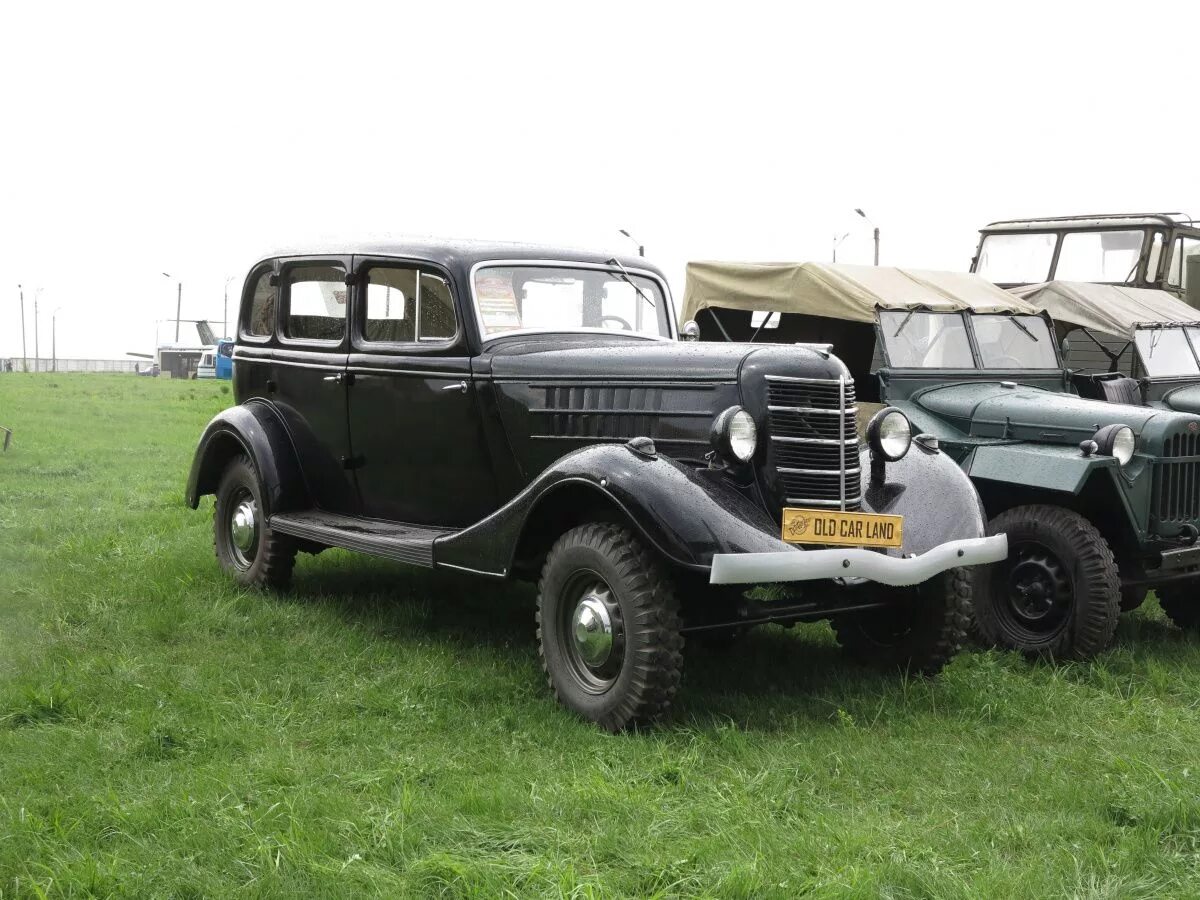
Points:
point(625, 325)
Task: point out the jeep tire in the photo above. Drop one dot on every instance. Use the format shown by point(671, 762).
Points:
point(608, 627)
point(1181, 603)
point(252, 553)
point(919, 630)
point(1058, 594)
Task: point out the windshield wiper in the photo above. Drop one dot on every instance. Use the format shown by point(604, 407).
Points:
point(624, 276)
point(1017, 322)
point(911, 313)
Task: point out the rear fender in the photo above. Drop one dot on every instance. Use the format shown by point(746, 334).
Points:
point(256, 430)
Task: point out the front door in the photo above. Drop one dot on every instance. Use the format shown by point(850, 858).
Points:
point(415, 422)
point(309, 377)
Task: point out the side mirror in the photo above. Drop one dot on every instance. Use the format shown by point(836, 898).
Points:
point(1065, 346)
point(690, 331)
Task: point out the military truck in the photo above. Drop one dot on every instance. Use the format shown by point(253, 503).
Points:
point(1100, 501)
point(1143, 250)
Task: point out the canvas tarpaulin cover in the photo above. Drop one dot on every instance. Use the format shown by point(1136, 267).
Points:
point(837, 291)
point(1107, 308)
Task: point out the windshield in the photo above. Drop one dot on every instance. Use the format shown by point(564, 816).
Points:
point(923, 340)
point(562, 298)
point(1165, 351)
point(1016, 258)
point(1101, 256)
point(928, 340)
point(1014, 342)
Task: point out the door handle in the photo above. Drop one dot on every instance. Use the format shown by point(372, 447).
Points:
point(461, 387)
point(340, 378)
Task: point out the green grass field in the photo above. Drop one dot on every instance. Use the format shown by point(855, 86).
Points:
point(381, 730)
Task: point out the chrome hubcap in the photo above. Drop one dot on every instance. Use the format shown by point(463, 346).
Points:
point(243, 529)
point(592, 628)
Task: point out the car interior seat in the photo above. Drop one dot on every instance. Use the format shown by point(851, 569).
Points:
point(1122, 390)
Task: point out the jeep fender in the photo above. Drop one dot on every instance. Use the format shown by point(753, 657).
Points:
point(1041, 466)
point(256, 430)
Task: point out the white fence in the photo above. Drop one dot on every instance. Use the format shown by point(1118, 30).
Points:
point(17, 364)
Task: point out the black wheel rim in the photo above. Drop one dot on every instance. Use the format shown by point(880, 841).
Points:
point(1036, 592)
point(242, 528)
point(591, 632)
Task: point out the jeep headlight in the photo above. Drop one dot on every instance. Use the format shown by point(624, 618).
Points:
point(734, 435)
point(889, 434)
point(1116, 441)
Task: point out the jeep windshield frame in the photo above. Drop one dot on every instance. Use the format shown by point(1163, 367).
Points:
point(499, 290)
point(1168, 350)
point(922, 340)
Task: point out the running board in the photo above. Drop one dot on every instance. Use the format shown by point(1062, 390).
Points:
point(411, 544)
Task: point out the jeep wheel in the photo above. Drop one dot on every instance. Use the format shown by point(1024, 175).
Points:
point(608, 627)
point(255, 555)
point(920, 630)
point(1058, 593)
point(1181, 604)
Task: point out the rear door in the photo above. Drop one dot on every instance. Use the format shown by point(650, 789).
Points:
point(414, 411)
point(310, 383)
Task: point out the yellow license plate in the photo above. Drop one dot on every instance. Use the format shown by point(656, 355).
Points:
point(851, 529)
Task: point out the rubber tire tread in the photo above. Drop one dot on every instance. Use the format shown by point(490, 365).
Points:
point(276, 556)
point(941, 615)
point(1097, 605)
point(649, 678)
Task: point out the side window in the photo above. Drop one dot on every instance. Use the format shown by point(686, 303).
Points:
point(260, 319)
point(316, 303)
point(407, 306)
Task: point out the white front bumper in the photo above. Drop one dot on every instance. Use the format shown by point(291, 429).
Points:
point(817, 565)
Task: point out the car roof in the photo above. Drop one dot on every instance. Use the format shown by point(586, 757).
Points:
point(464, 253)
point(1101, 220)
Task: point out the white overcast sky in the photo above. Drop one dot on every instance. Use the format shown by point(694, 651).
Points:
point(185, 139)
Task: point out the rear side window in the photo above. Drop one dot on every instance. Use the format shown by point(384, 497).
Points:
point(406, 305)
point(316, 303)
point(260, 319)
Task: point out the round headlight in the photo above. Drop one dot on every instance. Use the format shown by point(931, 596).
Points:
point(734, 435)
point(889, 434)
point(1116, 441)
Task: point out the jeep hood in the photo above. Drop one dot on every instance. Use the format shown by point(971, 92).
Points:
point(1184, 399)
point(991, 410)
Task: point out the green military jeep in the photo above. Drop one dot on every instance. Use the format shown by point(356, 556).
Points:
point(1100, 501)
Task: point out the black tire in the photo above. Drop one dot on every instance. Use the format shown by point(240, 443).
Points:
point(1132, 597)
point(1181, 603)
point(267, 561)
point(1058, 594)
point(605, 564)
point(919, 631)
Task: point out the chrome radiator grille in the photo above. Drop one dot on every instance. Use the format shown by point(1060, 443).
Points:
point(814, 441)
point(1177, 480)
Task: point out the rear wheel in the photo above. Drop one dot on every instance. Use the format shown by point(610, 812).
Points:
point(1181, 603)
point(1058, 594)
point(608, 627)
point(919, 630)
point(252, 553)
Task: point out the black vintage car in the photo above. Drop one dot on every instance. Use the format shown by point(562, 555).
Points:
point(515, 411)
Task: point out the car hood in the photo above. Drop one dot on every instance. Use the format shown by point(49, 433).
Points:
point(618, 359)
point(994, 410)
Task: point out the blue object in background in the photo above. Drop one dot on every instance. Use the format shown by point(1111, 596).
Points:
point(225, 358)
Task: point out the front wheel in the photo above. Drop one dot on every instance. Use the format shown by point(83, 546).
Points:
point(1181, 604)
point(608, 627)
point(255, 555)
point(919, 630)
point(1058, 594)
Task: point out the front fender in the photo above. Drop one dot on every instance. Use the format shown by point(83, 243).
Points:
point(253, 429)
point(684, 513)
point(1042, 466)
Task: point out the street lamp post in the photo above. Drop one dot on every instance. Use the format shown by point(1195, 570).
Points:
point(837, 242)
point(876, 227)
point(225, 314)
point(54, 339)
point(24, 352)
point(178, 306)
point(641, 249)
point(37, 354)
